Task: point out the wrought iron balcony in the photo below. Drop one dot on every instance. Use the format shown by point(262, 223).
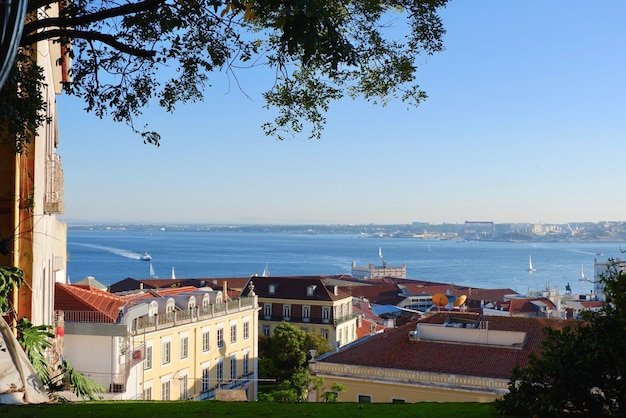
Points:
point(53, 198)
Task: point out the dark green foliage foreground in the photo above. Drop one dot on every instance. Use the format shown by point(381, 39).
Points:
point(248, 409)
point(580, 371)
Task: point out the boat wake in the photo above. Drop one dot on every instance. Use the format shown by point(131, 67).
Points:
point(117, 251)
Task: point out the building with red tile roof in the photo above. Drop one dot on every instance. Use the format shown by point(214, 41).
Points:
point(307, 302)
point(446, 357)
point(168, 343)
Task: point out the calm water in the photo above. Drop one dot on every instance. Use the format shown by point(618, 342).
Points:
point(111, 256)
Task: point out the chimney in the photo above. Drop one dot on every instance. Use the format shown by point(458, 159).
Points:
point(225, 291)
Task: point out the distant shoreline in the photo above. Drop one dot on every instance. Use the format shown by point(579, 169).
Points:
point(474, 231)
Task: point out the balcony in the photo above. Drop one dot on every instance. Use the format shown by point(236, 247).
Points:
point(164, 320)
point(53, 198)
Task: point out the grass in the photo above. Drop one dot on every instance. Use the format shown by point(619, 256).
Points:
point(186, 409)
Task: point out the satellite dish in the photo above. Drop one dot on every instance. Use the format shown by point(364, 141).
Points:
point(440, 299)
point(460, 300)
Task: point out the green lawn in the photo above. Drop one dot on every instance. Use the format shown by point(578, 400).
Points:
point(139, 409)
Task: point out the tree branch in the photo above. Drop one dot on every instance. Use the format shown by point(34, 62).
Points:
point(126, 9)
point(36, 4)
point(88, 35)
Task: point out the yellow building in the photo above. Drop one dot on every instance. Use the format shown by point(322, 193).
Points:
point(308, 303)
point(443, 358)
point(169, 344)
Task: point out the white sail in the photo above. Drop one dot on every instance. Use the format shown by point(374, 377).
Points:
point(152, 271)
point(530, 264)
point(380, 252)
point(173, 275)
point(266, 271)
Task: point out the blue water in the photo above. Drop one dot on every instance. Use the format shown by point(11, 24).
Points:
point(111, 256)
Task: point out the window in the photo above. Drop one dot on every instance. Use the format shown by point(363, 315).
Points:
point(147, 393)
point(286, 312)
point(266, 330)
point(184, 347)
point(339, 336)
point(246, 330)
point(220, 337)
point(166, 352)
point(165, 391)
point(233, 333)
point(220, 371)
point(147, 363)
point(271, 289)
point(397, 400)
point(206, 379)
point(325, 314)
point(183, 394)
point(170, 307)
point(233, 367)
point(306, 313)
point(245, 363)
point(365, 399)
point(192, 302)
point(325, 334)
point(267, 310)
point(153, 309)
point(206, 341)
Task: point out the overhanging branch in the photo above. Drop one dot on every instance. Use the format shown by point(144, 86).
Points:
point(126, 9)
point(88, 35)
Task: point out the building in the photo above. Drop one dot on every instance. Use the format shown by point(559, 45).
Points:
point(31, 197)
point(306, 302)
point(166, 344)
point(446, 357)
point(372, 271)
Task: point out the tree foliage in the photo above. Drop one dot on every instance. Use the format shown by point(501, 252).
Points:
point(283, 357)
point(580, 371)
point(127, 54)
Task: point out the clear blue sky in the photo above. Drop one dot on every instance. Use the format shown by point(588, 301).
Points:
point(525, 122)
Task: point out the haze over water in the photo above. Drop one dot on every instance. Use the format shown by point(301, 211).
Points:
point(111, 256)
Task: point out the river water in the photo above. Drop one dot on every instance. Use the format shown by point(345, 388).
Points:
point(111, 256)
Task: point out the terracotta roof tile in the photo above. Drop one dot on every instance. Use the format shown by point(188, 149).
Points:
point(294, 287)
point(88, 299)
point(394, 349)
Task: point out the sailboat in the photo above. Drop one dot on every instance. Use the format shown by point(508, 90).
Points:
point(173, 275)
point(530, 264)
point(152, 274)
point(380, 252)
point(583, 277)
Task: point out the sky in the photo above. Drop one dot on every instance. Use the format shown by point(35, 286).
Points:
point(525, 121)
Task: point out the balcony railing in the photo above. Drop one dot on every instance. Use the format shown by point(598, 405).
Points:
point(110, 382)
point(148, 323)
point(53, 199)
point(308, 319)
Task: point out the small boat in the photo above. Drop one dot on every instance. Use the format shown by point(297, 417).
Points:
point(530, 264)
point(152, 273)
point(599, 253)
point(583, 276)
point(146, 257)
